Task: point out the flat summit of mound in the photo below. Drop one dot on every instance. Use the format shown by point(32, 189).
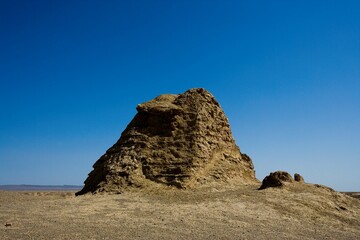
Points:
point(180, 140)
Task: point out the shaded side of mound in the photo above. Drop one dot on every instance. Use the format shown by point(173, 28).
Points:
point(179, 140)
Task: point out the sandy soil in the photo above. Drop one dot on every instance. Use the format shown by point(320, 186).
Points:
point(214, 212)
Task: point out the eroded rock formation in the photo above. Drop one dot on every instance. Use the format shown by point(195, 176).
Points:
point(175, 139)
point(298, 178)
point(276, 179)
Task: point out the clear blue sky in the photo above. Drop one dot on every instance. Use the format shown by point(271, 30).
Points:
point(287, 74)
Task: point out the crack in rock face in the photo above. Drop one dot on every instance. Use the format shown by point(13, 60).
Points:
point(181, 140)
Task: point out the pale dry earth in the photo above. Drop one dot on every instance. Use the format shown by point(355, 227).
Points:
point(297, 211)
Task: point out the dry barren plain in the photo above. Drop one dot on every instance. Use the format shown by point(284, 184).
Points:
point(297, 211)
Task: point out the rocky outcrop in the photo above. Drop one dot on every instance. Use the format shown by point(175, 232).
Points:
point(180, 140)
point(276, 179)
point(298, 178)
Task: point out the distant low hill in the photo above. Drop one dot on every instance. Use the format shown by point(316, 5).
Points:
point(353, 194)
point(25, 187)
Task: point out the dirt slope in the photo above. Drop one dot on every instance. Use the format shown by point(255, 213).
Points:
point(297, 211)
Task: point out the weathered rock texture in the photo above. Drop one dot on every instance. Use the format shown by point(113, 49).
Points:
point(276, 179)
point(180, 140)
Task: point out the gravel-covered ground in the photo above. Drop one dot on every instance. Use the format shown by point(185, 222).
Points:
point(297, 211)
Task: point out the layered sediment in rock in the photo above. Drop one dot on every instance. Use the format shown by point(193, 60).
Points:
point(181, 140)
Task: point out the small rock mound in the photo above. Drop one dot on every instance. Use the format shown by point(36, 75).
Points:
point(180, 140)
point(276, 179)
point(298, 178)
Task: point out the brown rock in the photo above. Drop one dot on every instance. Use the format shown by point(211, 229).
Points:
point(298, 178)
point(180, 140)
point(276, 179)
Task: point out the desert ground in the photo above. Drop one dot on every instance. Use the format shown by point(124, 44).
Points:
point(297, 211)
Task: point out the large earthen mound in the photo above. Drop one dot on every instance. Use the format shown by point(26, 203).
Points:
point(181, 140)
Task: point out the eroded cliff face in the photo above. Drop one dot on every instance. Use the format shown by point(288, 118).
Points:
point(180, 140)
